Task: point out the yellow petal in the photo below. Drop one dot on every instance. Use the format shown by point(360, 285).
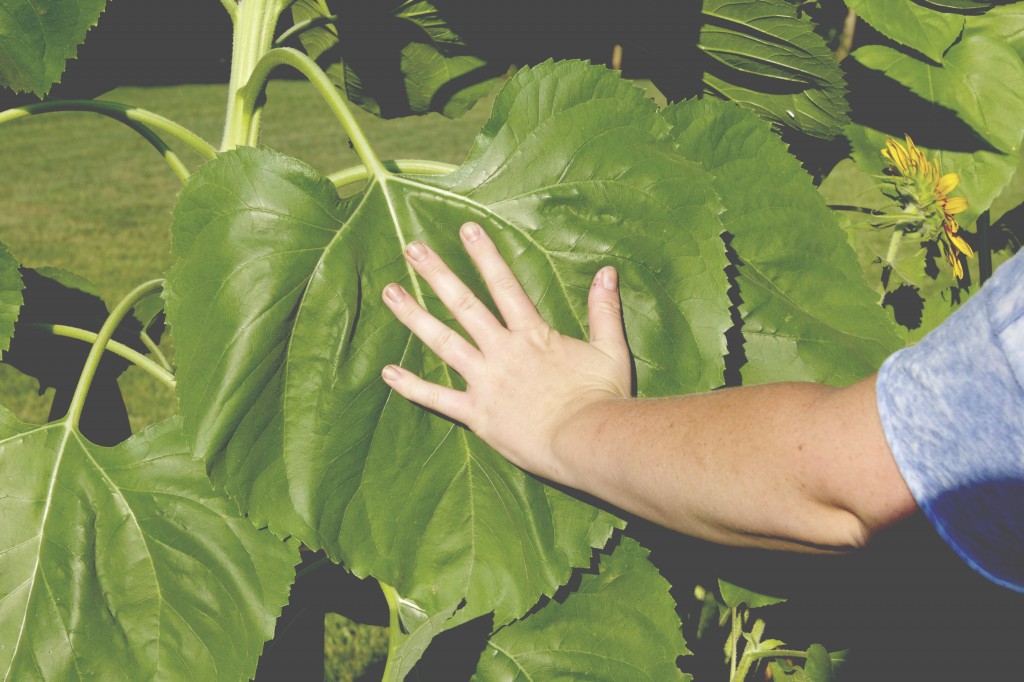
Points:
point(898, 155)
point(962, 245)
point(958, 268)
point(955, 205)
point(946, 184)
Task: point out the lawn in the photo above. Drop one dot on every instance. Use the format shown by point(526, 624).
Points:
point(84, 193)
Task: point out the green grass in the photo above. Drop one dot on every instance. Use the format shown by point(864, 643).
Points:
point(84, 193)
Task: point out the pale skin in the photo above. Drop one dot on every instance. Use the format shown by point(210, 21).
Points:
point(793, 466)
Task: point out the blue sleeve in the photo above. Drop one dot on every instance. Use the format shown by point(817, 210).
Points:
point(952, 408)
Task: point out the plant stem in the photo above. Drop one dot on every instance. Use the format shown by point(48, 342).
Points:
point(140, 120)
point(150, 344)
point(92, 362)
point(287, 56)
point(255, 22)
point(734, 635)
point(394, 629)
point(232, 7)
point(302, 27)
point(115, 347)
point(356, 174)
point(846, 40)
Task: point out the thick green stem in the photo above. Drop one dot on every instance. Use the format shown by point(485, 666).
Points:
point(350, 176)
point(129, 354)
point(255, 22)
point(394, 631)
point(92, 362)
point(734, 636)
point(143, 122)
point(231, 7)
point(286, 56)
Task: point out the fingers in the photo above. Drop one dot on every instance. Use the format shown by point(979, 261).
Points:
point(513, 303)
point(447, 401)
point(605, 310)
point(473, 315)
point(445, 342)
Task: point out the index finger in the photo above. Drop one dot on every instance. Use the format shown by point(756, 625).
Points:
point(513, 303)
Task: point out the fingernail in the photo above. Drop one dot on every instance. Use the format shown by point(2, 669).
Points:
point(390, 373)
point(393, 293)
point(416, 251)
point(470, 232)
point(609, 278)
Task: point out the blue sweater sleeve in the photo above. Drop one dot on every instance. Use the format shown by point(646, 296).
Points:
point(952, 408)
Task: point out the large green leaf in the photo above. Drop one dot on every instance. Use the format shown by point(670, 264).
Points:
point(564, 640)
point(768, 59)
point(972, 82)
point(10, 296)
point(1006, 22)
point(281, 334)
point(123, 563)
point(37, 37)
point(926, 30)
point(808, 313)
point(398, 57)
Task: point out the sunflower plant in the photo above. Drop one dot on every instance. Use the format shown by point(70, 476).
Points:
point(747, 252)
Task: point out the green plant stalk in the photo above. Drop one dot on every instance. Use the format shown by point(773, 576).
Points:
point(231, 7)
point(92, 362)
point(287, 56)
point(350, 176)
point(144, 122)
point(734, 636)
point(115, 347)
point(150, 344)
point(302, 27)
point(394, 630)
point(253, 37)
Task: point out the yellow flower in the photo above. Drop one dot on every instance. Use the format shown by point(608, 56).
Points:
point(924, 196)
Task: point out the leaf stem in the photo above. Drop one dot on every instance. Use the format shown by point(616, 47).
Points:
point(232, 7)
point(355, 174)
point(150, 344)
point(287, 56)
point(394, 630)
point(115, 347)
point(92, 362)
point(140, 120)
point(734, 636)
point(302, 27)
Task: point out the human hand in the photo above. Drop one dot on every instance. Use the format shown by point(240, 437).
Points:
point(525, 381)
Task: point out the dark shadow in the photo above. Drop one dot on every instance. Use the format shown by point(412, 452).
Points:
point(453, 655)
point(57, 362)
point(736, 355)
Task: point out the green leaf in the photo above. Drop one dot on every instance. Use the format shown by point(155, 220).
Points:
point(123, 563)
point(281, 333)
point(971, 82)
point(735, 596)
point(766, 58)
point(37, 37)
point(908, 23)
point(10, 296)
point(819, 664)
point(1006, 23)
point(398, 57)
point(808, 313)
point(561, 642)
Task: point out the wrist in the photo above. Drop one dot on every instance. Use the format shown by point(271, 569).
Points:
point(576, 435)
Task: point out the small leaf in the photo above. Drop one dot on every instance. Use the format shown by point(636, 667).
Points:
point(37, 37)
point(562, 640)
point(735, 596)
point(818, 667)
point(123, 563)
point(766, 58)
point(11, 298)
point(922, 29)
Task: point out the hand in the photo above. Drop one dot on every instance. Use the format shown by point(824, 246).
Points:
point(525, 381)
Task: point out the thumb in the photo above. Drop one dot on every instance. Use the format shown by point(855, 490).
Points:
point(605, 310)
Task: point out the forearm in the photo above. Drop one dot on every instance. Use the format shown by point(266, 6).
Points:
point(787, 466)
